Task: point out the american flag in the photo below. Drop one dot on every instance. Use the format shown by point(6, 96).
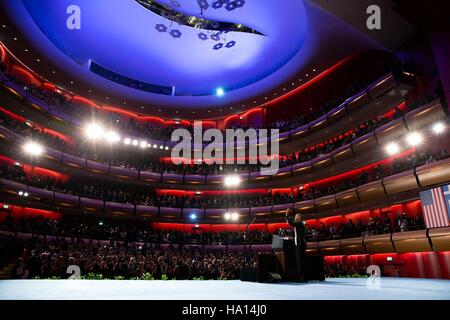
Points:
point(436, 206)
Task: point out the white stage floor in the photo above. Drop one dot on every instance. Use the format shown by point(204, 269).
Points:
point(331, 289)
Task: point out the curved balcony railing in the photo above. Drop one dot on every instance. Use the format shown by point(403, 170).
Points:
point(413, 120)
point(373, 91)
point(419, 240)
point(409, 181)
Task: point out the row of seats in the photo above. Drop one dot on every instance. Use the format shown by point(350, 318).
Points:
point(379, 87)
point(437, 239)
point(412, 180)
point(411, 121)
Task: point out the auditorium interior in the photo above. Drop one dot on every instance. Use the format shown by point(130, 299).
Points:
point(92, 93)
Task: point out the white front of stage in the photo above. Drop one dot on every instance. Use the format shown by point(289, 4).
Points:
point(331, 289)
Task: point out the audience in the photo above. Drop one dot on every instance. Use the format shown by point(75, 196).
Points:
point(135, 251)
point(143, 162)
point(135, 195)
point(38, 257)
point(39, 225)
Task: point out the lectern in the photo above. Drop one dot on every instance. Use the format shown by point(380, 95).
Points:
point(284, 249)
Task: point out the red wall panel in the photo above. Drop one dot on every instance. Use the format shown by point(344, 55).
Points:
point(17, 212)
point(434, 265)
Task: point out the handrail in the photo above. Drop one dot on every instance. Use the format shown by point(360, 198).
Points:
point(290, 133)
point(161, 209)
point(177, 178)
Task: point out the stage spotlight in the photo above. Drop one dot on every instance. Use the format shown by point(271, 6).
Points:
point(127, 141)
point(220, 92)
point(203, 4)
point(232, 181)
point(215, 37)
point(33, 149)
point(143, 144)
point(161, 28)
point(218, 46)
point(438, 128)
point(161, 147)
point(112, 137)
point(392, 148)
point(135, 142)
point(94, 131)
point(230, 44)
point(414, 139)
point(193, 216)
point(203, 36)
point(155, 146)
point(227, 216)
point(175, 33)
point(20, 193)
point(234, 216)
point(167, 148)
point(25, 194)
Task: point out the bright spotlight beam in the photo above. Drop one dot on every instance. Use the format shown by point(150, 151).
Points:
point(94, 131)
point(392, 148)
point(33, 149)
point(438, 128)
point(143, 144)
point(112, 137)
point(232, 181)
point(220, 92)
point(414, 139)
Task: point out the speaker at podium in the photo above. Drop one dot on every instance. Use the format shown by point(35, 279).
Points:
point(284, 250)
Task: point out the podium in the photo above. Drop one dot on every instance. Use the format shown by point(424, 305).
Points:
point(284, 250)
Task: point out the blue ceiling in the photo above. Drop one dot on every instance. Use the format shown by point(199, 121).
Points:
point(120, 36)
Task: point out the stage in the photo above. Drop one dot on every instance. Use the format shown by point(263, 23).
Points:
point(334, 289)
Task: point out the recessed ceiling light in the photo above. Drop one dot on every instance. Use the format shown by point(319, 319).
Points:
point(307, 75)
point(26, 50)
point(220, 92)
point(15, 39)
point(90, 90)
point(54, 72)
point(71, 82)
point(176, 111)
point(38, 60)
point(3, 26)
point(107, 98)
point(159, 110)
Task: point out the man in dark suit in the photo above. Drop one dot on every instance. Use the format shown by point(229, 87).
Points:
point(296, 220)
